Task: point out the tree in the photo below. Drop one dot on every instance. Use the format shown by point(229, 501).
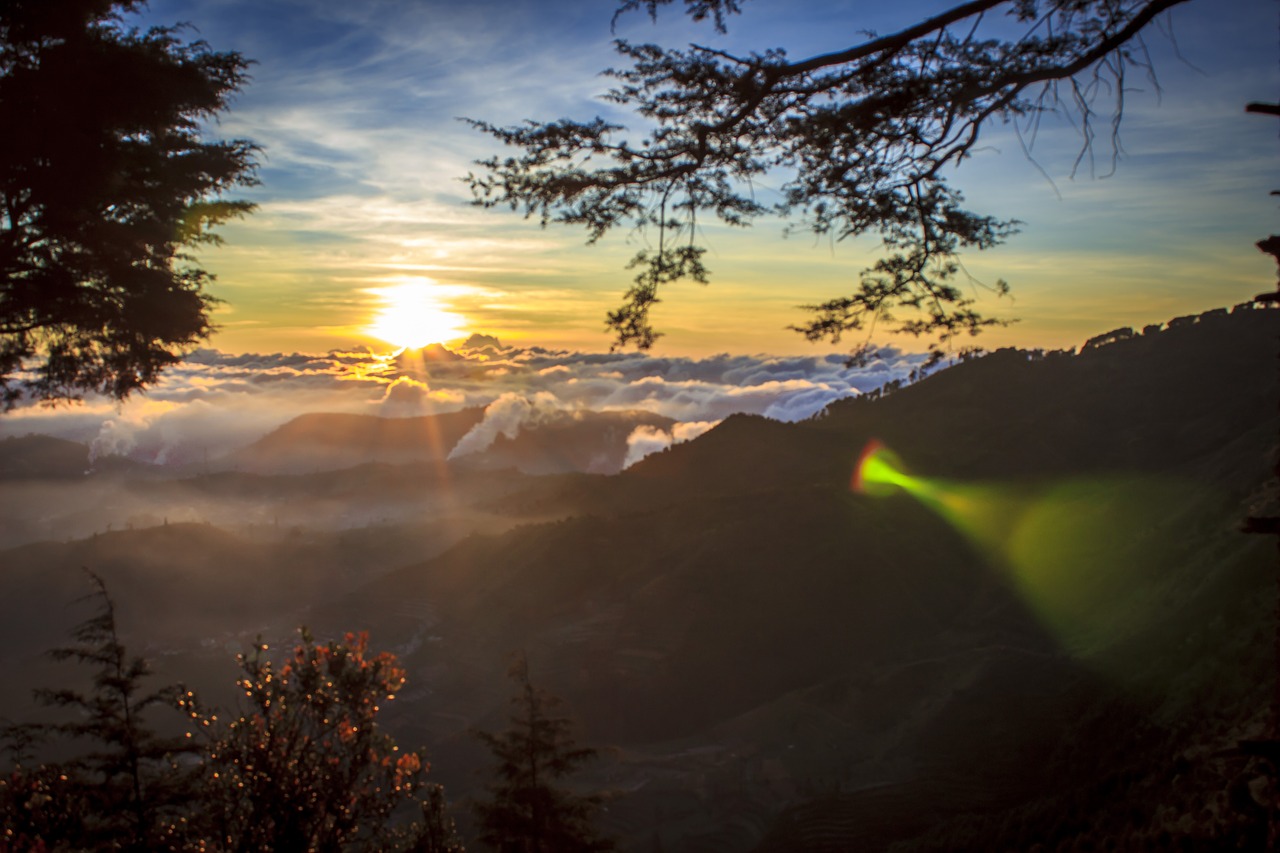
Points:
point(305, 766)
point(527, 812)
point(106, 182)
point(128, 791)
point(863, 136)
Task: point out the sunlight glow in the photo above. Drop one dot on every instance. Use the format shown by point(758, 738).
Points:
point(412, 315)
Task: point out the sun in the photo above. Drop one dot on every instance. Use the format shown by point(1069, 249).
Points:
point(411, 315)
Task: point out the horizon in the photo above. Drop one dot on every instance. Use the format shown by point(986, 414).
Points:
point(362, 159)
point(957, 591)
point(223, 401)
point(215, 403)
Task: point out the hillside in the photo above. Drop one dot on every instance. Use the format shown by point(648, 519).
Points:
point(330, 441)
point(1060, 623)
point(549, 443)
point(732, 593)
point(565, 442)
point(42, 456)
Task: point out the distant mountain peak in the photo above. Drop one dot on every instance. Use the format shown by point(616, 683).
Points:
point(479, 341)
point(439, 352)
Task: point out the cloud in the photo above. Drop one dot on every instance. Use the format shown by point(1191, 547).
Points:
point(405, 396)
point(645, 440)
point(118, 436)
point(355, 105)
point(690, 430)
point(214, 402)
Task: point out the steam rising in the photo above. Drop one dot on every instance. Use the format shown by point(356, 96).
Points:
point(505, 415)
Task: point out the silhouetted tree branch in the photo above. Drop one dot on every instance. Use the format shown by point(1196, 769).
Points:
point(863, 136)
point(106, 182)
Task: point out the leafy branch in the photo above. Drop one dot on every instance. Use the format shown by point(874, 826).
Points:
point(863, 138)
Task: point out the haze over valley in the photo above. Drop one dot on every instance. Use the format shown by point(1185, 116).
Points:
point(1058, 597)
point(718, 426)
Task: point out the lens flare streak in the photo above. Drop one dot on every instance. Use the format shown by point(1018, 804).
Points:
point(1075, 548)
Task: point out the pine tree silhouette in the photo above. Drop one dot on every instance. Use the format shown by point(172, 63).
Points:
point(528, 811)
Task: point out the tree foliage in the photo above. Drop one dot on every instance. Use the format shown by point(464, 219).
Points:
point(128, 790)
point(106, 182)
point(528, 811)
point(303, 765)
point(864, 140)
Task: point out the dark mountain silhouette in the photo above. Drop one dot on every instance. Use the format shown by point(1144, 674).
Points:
point(564, 442)
point(193, 595)
point(437, 352)
point(477, 340)
point(42, 456)
point(1059, 646)
point(183, 581)
point(559, 442)
point(1181, 397)
point(329, 441)
point(732, 593)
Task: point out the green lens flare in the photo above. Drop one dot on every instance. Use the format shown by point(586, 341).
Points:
point(879, 471)
point(1086, 553)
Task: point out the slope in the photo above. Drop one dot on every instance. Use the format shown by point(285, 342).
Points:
point(330, 441)
point(732, 595)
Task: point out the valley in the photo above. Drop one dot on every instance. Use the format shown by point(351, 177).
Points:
point(1070, 624)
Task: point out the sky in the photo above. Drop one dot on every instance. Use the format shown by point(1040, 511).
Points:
point(356, 107)
point(364, 240)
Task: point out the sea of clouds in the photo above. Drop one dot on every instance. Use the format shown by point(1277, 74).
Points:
point(216, 402)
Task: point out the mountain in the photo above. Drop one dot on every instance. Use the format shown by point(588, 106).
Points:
point(1054, 634)
point(191, 595)
point(554, 443)
point(479, 341)
point(437, 352)
point(564, 442)
point(43, 457)
point(1067, 609)
point(329, 441)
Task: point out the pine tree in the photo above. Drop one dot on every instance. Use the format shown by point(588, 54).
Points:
point(528, 812)
point(128, 791)
point(304, 766)
point(436, 832)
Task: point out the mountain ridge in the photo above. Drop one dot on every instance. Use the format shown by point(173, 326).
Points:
point(776, 661)
point(704, 582)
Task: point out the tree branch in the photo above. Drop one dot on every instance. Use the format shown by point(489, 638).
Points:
point(863, 135)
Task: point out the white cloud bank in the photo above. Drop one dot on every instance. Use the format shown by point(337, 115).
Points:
point(216, 402)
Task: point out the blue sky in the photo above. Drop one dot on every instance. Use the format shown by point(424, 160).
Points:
point(355, 106)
